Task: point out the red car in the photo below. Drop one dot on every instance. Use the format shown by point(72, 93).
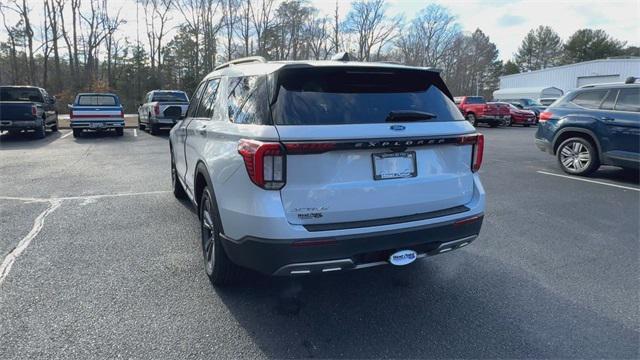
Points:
point(522, 117)
point(476, 110)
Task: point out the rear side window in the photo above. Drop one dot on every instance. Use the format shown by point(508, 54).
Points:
point(247, 101)
point(590, 99)
point(205, 110)
point(195, 100)
point(329, 96)
point(20, 94)
point(610, 100)
point(97, 100)
point(629, 100)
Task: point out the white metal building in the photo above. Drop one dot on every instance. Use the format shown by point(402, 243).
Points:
point(569, 77)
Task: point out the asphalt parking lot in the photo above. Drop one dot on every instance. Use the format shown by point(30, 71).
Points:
point(105, 262)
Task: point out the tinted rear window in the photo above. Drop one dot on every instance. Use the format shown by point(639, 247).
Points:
point(629, 100)
point(170, 97)
point(20, 94)
point(589, 99)
point(97, 100)
point(358, 96)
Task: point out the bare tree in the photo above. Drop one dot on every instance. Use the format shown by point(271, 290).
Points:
point(229, 19)
point(371, 26)
point(244, 24)
point(262, 18)
point(157, 15)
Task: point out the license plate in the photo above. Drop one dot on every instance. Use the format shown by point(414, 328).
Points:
point(394, 165)
point(96, 125)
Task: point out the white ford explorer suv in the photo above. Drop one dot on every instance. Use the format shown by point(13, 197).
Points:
point(310, 167)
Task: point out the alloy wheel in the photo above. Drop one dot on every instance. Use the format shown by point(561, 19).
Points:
point(208, 237)
point(575, 156)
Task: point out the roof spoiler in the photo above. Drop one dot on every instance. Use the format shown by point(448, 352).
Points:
point(245, 60)
point(631, 80)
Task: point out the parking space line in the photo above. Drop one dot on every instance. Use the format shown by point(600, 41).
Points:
point(38, 223)
point(589, 180)
point(86, 197)
point(135, 132)
point(65, 135)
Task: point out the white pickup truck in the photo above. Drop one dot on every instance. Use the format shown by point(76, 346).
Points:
point(162, 109)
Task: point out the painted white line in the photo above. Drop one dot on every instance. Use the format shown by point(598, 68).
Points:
point(65, 135)
point(135, 132)
point(87, 197)
point(8, 261)
point(589, 181)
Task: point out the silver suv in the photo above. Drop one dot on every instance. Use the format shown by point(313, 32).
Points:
point(313, 167)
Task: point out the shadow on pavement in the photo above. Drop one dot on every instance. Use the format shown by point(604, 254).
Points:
point(26, 140)
point(454, 308)
point(627, 176)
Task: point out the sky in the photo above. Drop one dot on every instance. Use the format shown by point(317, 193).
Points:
point(506, 22)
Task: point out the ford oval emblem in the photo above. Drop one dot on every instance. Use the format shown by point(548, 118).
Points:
point(397, 127)
point(403, 257)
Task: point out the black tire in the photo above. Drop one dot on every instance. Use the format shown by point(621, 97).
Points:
point(508, 122)
point(218, 267)
point(41, 131)
point(77, 133)
point(493, 124)
point(178, 190)
point(471, 117)
point(526, 125)
point(119, 131)
point(54, 128)
point(153, 128)
point(578, 156)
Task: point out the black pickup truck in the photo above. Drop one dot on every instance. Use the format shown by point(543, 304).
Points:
point(24, 108)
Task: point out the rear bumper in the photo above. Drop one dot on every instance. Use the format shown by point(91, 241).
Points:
point(164, 122)
point(19, 124)
point(97, 124)
point(286, 257)
point(493, 118)
point(544, 145)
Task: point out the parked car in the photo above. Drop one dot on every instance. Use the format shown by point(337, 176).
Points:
point(546, 101)
point(26, 108)
point(592, 126)
point(313, 167)
point(476, 110)
point(519, 117)
point(527, 104)
point(162, 109)
point(96, 112)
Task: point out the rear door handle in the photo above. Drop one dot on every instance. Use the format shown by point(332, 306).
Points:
point(202, 130)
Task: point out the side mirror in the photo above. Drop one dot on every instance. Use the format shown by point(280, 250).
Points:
point(69, 106)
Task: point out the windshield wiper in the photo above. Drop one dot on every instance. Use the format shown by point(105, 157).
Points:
point(409, 115)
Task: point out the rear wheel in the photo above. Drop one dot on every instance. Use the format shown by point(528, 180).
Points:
point(153, 128)
point(472, 119)
point(41, 131)
point(119, 131)
point(508, 122)
point(219, 268)
point(77, 133)
point(577, 156)
point(140, 124)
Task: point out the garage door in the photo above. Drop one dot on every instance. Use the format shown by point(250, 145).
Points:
point(586, 80)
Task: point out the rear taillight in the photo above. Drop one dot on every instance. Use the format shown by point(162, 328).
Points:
point(477, 140)
point(265, 163)
point(309, 148)
point(545, 115)
point(122, 113)
point(34, 111)
point(156, 109)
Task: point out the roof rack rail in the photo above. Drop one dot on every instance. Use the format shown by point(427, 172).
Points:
point(244, 60)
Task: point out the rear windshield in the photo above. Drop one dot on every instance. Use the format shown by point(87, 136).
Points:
point(358, 96)
point(170, 97)
point(475, 100)
point(97, 100)
point(20, 94)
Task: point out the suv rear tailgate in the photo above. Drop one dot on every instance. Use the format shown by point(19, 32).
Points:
point(392, 139)
point(338, 186)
